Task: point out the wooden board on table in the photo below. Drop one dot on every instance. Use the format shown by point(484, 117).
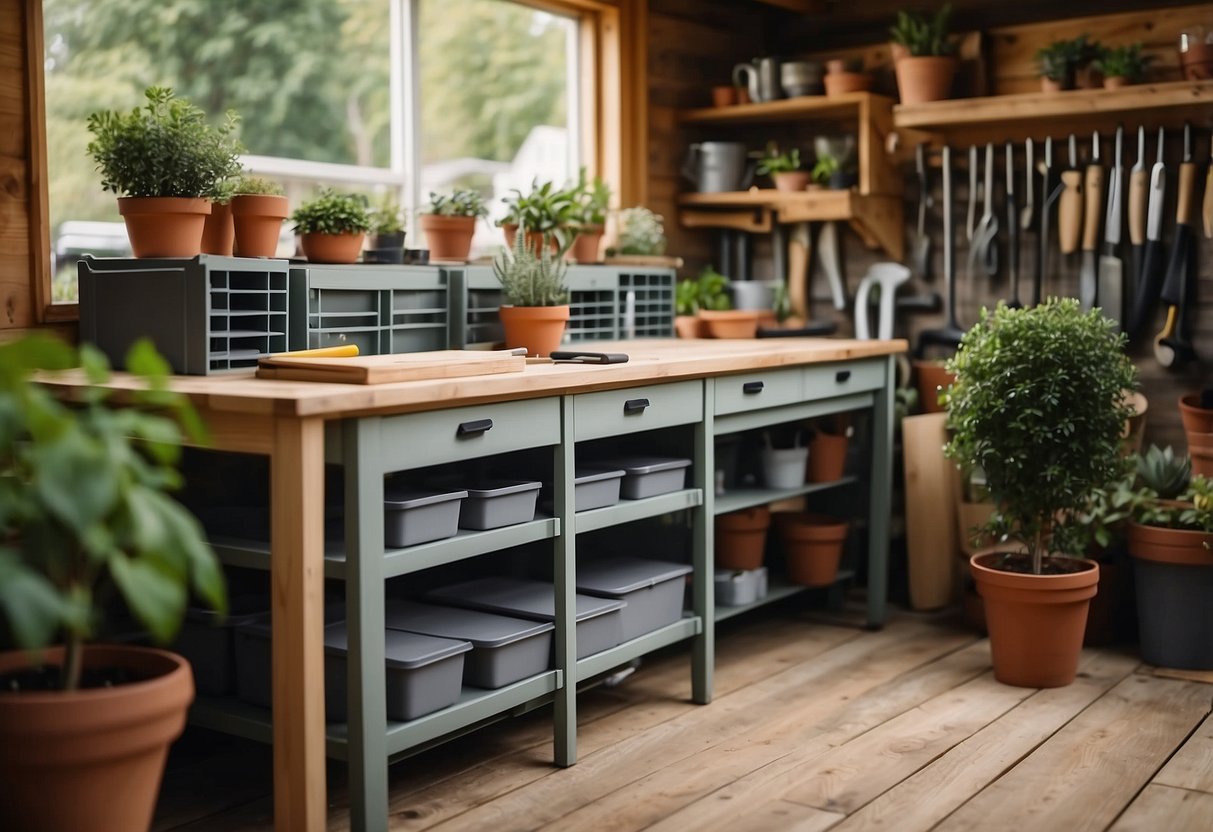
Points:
point(382, 369)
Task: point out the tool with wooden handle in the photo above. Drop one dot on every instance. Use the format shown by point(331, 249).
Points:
point(1092, 187)
point(1139, 184)
point(1168, 348)
point(1150, 280)
point(1111, 271)
point(1069, 206)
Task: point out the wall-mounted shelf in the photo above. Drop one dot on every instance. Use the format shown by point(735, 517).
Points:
point(846, 107)
point(800, 6)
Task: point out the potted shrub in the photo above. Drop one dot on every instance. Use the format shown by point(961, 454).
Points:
point(924, 56)
point(641, 234)
point(1122, 65)
point(165, 162)
point(537, 306)
point(385, 243)
point(258, 209)
point(591, 199)
point(544, 215)
point(1059, 63)
point(332, 226)
point(1038, 404)
point(85, 519)
point(784, 169)
point(218, 232)
point(450, 223)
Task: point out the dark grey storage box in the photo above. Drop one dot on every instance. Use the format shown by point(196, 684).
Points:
point(599, 620)
point(492, 505)
point(596, 488)
point(653, 590)
point(648, 476)
point(412, 517)
point(208, 641)
point(504, 650)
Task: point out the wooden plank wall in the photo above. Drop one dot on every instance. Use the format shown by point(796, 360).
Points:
point(17, 207)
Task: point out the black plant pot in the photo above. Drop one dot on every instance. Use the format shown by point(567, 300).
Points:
point(383, 255)
point(392, 240)
point(1175, 614)
point(840, 180)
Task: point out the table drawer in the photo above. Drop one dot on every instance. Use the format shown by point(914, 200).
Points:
point(634, 409)
point(826, 380)
point(758, 390)
point(418, 439)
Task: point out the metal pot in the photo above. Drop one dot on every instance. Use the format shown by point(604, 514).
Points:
point(716, 167)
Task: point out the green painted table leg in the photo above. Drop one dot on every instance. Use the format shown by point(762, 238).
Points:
point(880, 498)
point(565, 581)
point(703, 650)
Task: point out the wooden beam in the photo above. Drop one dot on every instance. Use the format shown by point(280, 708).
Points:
point(39, 185)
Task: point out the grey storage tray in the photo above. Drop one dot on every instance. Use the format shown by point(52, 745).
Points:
point(497, 504)
point(599, 620)
point(413, 517)
point(652, 589)
point(504, 650)
point(649, 476)
point(208, 641)
point(592, 488)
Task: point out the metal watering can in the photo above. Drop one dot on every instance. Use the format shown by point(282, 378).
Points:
point(715, 167)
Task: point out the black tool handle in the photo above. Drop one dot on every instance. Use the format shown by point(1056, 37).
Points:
point(590, 357)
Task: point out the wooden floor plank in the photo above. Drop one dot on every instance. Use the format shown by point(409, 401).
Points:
point(784, 816)
point(934, 792)
point(1192, 765)
point(1167, 808)
point(1084, 776)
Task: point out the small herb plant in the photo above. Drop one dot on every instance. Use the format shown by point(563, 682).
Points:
point(924, 35)
point(164, 148)
point(546, 210)
point(1126, 62)
point(459, 203)
point(591, 199)
point(708, 291)
point(387, 217)
point(1061, 59)
point(257, 186)
point(640, 232)
point(776, 162)
point(330, 212)
point(1039, 405)
point(825, 167)
point(531, 278)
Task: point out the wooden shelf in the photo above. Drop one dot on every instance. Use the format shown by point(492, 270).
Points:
point(849, 107)
point(800, 6)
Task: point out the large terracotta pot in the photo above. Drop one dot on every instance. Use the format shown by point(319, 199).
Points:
point(1196, 419)
point(741, 537)
point(827, 456)
point(1036, 622)
point(931, 378)
point(91, 759)
point(538, 328)
point(925, 78)
point(587, 244)
point(449, 238)
point(164, 226)
point(812, 547)
point(1173, 569)
point(218, 233)
point(258, 223)
point(332, 248)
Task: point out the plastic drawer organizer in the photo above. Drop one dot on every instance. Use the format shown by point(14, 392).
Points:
point(205, 314)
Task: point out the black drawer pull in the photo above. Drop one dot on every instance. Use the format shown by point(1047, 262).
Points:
point(751, 387)
point(635, 405)
point(474, 428)
point(842, 375)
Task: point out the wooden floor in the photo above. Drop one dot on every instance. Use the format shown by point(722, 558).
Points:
point(814, 726)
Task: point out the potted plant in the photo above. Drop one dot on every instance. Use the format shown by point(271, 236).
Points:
point(686, 309)
point(537, 307)
point(924, 56)
point(846, 76)
point(1039, 404)
point(720, 319)
point(85, 520)
point(740, 538)
point(544, 215)
point(332, 226)
point(641, 234)
point(385, 244)
point(258, 209)
point(828, 448)
point(812, 547)
point(218, 232)
point(450, 223)
point(1059, 62)
point(591, 198)
point(784, 169)
point(165, 162)
point(1196, 411)
point(1122, 65)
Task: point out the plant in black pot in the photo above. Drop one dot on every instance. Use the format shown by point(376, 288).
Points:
point(1039, 404)
point(85, 518)
point(385, 242)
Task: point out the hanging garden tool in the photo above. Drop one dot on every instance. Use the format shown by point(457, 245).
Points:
point(1029, 207)
point(1169, 349)
point(921, 259)
point(1138, 192)
point(1111, 270)
point(1050, 192)
point(1013, 227)
point(1149, 281)
point(951, 333)
point(1069, 208)
point(985, 246)
point(1092, 187)
point(974, 197)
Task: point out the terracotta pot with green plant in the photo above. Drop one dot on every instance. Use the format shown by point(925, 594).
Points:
point(84, 520)
point(258, 209)
point(218, 230)
point(537, 301)
point(450, 224)
point(587, 220)
point(545, 215)
point(385, 242)
point(1061, 61)
point(784, 169)
point(1039, 404)
point(1122, 65)
point(332, 226)
point(925, 62)
point(165, 162)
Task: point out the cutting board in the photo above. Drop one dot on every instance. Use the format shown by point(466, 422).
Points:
point(383, 369)
point(930, 486)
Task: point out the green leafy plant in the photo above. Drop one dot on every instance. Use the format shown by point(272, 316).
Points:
point(257, 186)
point(547, 210)
point(708, 291)
point(1059, 60)
point(825, 167)
point(459, 203)
point(164, 148)
point(83, 502)
point(776, 162)
point(641, 232)
point(1164, 472)
point(1126, 62)
point(1039, 404)
point(387, 217)
point(921, 34)
point(1191, 510)
point(531, 278)
point(591, 199)
point(330, 212)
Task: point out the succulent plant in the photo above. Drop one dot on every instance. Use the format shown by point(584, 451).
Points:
point(1165, 472)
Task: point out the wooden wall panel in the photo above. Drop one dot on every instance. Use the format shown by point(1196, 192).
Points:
point(17, 208)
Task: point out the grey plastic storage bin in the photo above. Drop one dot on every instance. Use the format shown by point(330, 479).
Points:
point(648, 476)
point(497, 504)
point(653, 590)
point(596, 488)
point(412, 517)
point(738, 587)
point(208, 641)
point(504, 650)
point(599, 620)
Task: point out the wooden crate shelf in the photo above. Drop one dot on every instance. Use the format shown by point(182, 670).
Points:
point(849, 107)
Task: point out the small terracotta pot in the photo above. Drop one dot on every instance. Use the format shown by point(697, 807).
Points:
point(812, 546)
point(258, 223)
point(332, 248)
point(1050, 85)
point(449, 238)
point(841, 83)
point(1200, 448)
point(931, 377)
point(538, 328)
point(741, 537)
point(730, 323)
point(724, 96)
point(534, 239)
point(1196, 60)
point(1115, 82)
point(164, 226)
point(925, 78)
point(792, 180)
point(827, 456)
point(218, 232)
point(586, 245)
point(689, 326)
point(1196, 419)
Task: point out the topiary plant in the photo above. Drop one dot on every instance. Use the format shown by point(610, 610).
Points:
point(330, 212)
point(459, 203)
point(531, 278)
point(1039, 404)
point(923, 35)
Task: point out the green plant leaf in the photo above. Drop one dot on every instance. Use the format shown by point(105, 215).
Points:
point(30, 602)
point(156, 598)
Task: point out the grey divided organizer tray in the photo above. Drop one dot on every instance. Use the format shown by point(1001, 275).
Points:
point(504, 650)
point(497, 504)
point(599, 620)
point(412, 517)
point(648, 476)
point(653, 590)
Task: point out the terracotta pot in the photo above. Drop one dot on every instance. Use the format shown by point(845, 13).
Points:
point(1180, 547)
point(841, 83)
point(741, 537)
point(812, 545)
point(827, 456)
point(587, 244)
point(931, 377)
point(1196, 60)
point(925, 78)
point(730, 323)
point(218, 232)
point(449, 238)
point(897, 51)
point(1173, 570)
point(743, 96)
point(91, 759)
point(1196, 419)
point(1115, 82)
point(258, 223)
point(688, 326)
point(793, 180)
point(538, 328)
point(1050, 85)
point(164, 226)
point(332, 248)
point(1036, 622)
point(1200, 448)
point(724, 96)
point(534, 239)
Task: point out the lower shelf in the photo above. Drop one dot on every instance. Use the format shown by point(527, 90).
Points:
point(778, 590)
point(684, 628)
point(737, 499)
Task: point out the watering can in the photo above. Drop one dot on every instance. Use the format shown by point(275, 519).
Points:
point(716, 167)
point(761, 79)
